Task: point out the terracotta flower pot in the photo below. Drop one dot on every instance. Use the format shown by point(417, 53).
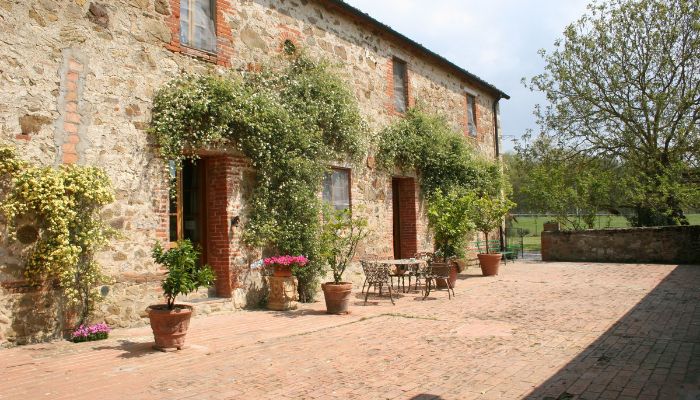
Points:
point(453, 275)
point(282, 271)
point(489, 263)
point(337, 297)
point(169, 326)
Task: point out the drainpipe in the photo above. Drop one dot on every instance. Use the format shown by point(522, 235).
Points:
point(496, 127)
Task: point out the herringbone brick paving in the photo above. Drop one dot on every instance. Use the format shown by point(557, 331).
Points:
point(539, 330)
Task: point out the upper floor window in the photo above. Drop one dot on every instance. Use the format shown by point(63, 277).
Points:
point(336, 188)
point(197, 27)
point(400, 75)
point(471, 115)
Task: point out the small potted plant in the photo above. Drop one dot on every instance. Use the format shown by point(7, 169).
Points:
point(487, 214)
point(283, 266)
point(340, 235)
point(448, 217)
point(170, 321)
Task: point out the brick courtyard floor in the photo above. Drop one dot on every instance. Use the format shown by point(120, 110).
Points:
point(539, 330)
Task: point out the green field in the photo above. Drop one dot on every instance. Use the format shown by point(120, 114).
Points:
point(531, 242)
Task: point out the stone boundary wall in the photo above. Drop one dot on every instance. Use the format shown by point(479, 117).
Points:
point(666, 245)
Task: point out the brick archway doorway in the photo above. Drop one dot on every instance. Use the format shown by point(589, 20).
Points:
point(404, 217)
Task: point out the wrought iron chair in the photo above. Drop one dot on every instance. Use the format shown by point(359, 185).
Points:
point(425, 256)
point(366, 263)
point(438, 271)
point(377, 274)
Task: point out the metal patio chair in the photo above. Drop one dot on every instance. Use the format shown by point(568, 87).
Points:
point(435, 272)
point(377, 274)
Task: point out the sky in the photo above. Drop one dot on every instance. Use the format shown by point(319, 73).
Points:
point(497, 40)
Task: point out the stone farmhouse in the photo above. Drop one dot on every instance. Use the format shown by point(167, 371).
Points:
point(77, 80)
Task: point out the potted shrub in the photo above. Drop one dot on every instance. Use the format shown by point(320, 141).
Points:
point(170, 321)
point(448, 217)
point(340, 235)
point(487, 214)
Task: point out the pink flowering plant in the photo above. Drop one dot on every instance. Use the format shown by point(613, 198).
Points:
point(88, 333)
point(287, 261)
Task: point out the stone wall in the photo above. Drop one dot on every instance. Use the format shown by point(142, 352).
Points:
point(667, 245)
point(77, 79)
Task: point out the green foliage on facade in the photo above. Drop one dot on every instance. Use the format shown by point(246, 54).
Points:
point(63, 204)
point(292, 122)
point(425, 143)
point(453, 178)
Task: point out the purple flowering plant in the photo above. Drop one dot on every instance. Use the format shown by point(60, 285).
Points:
point(88, 333)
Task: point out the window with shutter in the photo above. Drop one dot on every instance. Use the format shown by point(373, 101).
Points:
point(400, 82)
point(197, 26)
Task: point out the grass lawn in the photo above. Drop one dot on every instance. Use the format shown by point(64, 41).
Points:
point(534, 225)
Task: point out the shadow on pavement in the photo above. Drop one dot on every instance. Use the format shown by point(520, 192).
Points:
point(653, 351)
point(131, 349)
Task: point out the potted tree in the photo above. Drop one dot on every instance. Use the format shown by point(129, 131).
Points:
point(170, 321)
point(487, 214)
point(341, 233)
point(448, 217)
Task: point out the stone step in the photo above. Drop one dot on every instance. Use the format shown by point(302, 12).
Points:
point(210, 305)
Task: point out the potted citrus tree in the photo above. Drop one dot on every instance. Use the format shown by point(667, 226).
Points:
point(448, 218)
point(170, 321)
point(487, 214)
point(341, 233)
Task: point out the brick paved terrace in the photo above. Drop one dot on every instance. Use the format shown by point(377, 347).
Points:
point(539, 330)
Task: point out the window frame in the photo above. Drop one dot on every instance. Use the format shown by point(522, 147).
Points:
point(190, 45)
point(471, 112)
point(394, 62)
point(333, 169)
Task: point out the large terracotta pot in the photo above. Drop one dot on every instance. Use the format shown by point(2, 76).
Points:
point(282, 271)
point(169, 326)
point(452, 274)
point(337, 297)
point(489, 263)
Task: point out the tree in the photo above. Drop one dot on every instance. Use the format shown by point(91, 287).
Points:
point(574, 188)
point(623, 86)
point(449, 219)
point(341, 234)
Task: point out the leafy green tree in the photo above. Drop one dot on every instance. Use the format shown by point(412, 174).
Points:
point(448, 216)
point(341, 233)
point(574, 189)
point(487, 214)
point(184, 275)
point(623, 86)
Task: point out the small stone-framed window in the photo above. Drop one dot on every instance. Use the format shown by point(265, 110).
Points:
point(400, 81)
point(336, 188)
point(197, 24)
point(471, 115)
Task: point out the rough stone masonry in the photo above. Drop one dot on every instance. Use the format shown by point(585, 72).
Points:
point(77, 79)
